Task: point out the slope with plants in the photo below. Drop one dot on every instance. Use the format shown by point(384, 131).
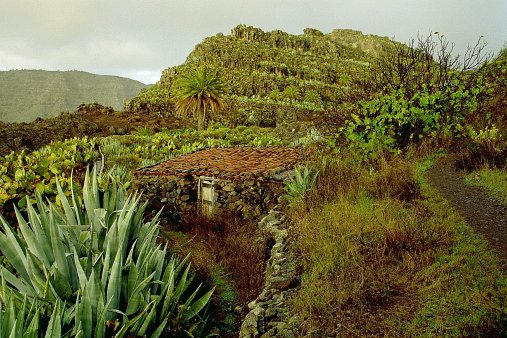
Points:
point(275, 77)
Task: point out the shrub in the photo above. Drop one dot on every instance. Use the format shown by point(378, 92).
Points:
point(393, 121)
point(487, 146)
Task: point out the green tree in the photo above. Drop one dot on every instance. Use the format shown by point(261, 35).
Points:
point(198, 92)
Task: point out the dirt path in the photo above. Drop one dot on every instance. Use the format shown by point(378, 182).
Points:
point(486, 215)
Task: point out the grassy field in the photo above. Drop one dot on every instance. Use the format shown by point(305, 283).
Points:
point(379, 262)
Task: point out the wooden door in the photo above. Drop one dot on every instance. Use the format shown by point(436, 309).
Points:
point(207, 197)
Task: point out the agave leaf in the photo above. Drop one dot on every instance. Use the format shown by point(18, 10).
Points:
point(22, 288)
point(194, 309)
point(32, 331)
point(37, 279)
point(96, 294)
point(1, 319)
point(136, 297)
point(40, 228)
point(84, 236)
point(105, 265)
point(100, 327)
point(69, 213)
point(130, 323)
point(160, 329)
point(60, 257)
point(75, 201)
point(80, 271)
point(55, 214)
point(20, 320)
point(91, 194)
point(182, 264)
point(13, 331)
point(41, 217)
point(11, 248)
point(54, 327)
point(168, 290)
point(86, 314)
point(114, 283)
point(9, 320)
point(182, 286)
point(33, 244)
point(80, 333)
point(160, 260)
point(61, 285)
point(147, 321)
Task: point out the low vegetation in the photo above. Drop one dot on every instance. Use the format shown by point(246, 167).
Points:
point(391, 258)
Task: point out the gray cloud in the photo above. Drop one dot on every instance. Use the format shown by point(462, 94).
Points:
point(139, 38)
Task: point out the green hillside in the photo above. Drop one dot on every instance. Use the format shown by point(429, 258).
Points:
point(28, 94)
point(319, 70)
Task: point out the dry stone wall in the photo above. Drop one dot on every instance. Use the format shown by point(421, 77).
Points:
point(250, 197)
point(269, 314)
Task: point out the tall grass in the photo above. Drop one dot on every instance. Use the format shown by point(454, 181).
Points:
point(383, 255)
point(226, 253)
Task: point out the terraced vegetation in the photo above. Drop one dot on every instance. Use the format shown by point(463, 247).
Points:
point(380, 251)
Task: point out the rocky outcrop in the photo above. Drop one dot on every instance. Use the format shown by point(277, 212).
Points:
point(269, 314)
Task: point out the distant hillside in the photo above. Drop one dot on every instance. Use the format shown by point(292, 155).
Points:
point(28, 94)
point(320, 69)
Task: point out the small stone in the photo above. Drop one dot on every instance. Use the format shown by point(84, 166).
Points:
point(270, 312)
point(228, 188)
point(185, 198)
point(269, 334)
point(249, 327)
point(281, 282)
point(252, 304)
point(258, 311)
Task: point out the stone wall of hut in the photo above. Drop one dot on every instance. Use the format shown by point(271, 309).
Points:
point(249, 197)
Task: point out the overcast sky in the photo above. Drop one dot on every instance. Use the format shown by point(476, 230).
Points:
point(140, 38)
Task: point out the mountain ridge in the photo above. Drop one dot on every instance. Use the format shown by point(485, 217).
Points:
point(27, 94)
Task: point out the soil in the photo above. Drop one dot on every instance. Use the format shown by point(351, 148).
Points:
point(485, 214)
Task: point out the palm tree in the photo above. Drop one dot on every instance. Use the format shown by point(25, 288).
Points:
point(198, 92)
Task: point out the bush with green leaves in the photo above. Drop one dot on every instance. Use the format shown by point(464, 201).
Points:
point(22, 173)
point(94, 266)
point(391, 122)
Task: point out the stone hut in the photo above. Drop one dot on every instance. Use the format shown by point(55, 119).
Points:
point(246, 180)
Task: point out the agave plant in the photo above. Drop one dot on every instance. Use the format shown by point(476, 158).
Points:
point(88, 267)
point(302, 181)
